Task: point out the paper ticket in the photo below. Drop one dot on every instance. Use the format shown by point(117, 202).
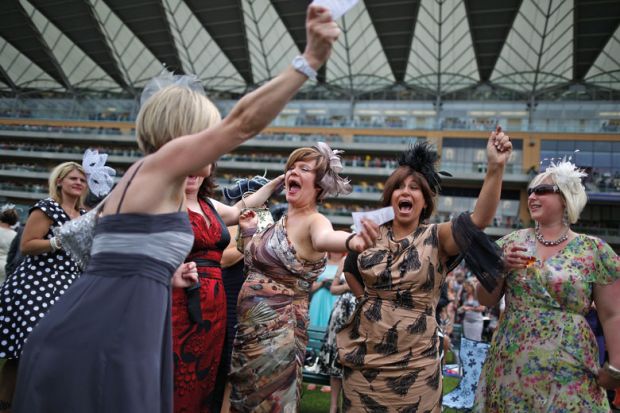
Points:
point(379, 216)
point(337, 7)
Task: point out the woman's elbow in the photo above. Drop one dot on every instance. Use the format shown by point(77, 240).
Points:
point(481, 221)
point(27, 249)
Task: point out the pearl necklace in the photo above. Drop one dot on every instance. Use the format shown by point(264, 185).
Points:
point(553, 243)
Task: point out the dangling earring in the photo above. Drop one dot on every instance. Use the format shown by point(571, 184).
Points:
point(565, 221)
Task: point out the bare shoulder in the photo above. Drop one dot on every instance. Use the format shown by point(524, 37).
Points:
point(145, 189)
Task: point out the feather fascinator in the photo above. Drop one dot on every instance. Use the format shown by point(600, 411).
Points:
point(421, 158)
point(332, 183)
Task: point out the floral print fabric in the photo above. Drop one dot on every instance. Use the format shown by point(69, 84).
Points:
point(544, 356)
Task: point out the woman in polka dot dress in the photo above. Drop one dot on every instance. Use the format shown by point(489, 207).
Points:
point(44, 275)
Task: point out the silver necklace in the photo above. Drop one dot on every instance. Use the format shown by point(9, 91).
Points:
point(552, 243)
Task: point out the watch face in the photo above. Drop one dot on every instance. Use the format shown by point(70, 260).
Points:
point(300, 64)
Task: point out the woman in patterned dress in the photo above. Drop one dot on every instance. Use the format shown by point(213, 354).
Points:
point(199, 312)
point(390, 348)
point(114, 322)
point(44, 275)
point(282, 262)
point(544, 356)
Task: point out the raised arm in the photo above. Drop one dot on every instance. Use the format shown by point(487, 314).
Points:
point(499, 149)
point(230, 214)
point(253, 112)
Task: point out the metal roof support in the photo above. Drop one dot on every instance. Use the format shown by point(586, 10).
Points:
point(532, 103)
point(438, 104)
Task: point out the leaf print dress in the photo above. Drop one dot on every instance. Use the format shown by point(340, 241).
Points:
point(390, 347)
point(544, 356)
point(272, 309)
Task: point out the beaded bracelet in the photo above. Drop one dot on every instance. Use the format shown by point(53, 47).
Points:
point(54, 244)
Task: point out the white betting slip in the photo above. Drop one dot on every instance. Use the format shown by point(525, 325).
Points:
point(337, 7)
point(379, 216)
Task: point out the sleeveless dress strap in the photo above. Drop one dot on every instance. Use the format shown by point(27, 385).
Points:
point(118, 209)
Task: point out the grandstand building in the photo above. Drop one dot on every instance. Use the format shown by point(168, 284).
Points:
point(449, 71)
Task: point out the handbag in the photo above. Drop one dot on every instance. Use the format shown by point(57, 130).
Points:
point(76, 236)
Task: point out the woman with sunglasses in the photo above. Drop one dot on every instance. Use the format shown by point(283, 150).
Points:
point(544, 356)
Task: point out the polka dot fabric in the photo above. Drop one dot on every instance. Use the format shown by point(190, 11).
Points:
point(29, 292)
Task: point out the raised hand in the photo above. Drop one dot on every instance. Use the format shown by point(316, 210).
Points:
point(499, 147)
point(321, 33)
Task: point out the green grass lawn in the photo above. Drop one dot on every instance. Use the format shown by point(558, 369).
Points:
point(316, 401)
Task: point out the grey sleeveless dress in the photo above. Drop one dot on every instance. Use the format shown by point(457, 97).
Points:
point(106, 346)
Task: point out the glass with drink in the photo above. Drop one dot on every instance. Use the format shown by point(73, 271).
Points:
point(529, 253)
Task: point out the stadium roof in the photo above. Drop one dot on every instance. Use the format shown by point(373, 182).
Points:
point(434, 47)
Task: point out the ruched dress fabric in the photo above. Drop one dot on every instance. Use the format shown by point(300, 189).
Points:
point(272, 310)
point(198, 343)
point(544, 356)
point(107, 345)
point(390, 347)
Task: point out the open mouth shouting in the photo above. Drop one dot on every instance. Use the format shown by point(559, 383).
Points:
point(293, 186)
point(405, 206)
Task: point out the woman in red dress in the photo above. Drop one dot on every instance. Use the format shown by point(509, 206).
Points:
point(199, 312)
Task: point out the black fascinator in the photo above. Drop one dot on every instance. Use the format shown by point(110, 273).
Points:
point(422, 158)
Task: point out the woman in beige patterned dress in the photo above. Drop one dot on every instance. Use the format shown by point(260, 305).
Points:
point(282, 262)
point(390, 348)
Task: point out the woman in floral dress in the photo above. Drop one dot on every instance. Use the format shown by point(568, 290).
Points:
point(544, 356)
point(390, 348)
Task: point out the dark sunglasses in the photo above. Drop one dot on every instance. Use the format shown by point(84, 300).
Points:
point(543, 189)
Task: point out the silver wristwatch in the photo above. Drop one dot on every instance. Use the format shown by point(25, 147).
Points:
point(302, 66)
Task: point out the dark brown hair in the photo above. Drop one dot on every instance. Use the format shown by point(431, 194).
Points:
point(9, 216)
point(309, 154)
point(208, 186)
point(397, 178)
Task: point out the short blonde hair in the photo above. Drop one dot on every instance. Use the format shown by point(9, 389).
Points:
point(573, 192)
point(170, 113)
point(59, 173)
